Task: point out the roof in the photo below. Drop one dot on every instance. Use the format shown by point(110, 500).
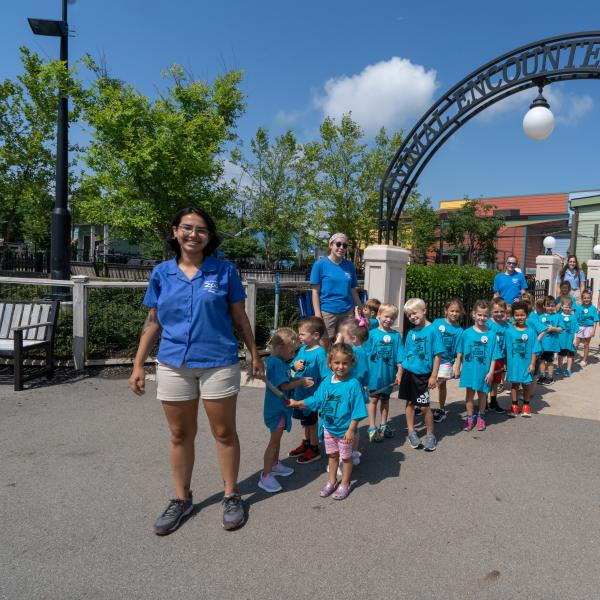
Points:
point(585, 201)
point(537, 204)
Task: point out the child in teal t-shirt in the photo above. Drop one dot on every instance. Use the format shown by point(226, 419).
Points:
point(522, 350)
point(311, 361)
point(340, 401)
point(587, 317)
point(277, 412)
point(450, 331)
point(549, 339)
point(499, 325)
point(384, 350)
point(567, 339)
point(477, 353)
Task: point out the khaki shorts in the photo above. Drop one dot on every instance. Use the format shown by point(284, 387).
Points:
point(181, 384)
point(332, 322)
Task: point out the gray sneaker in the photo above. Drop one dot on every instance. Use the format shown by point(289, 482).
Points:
point(234, 515)
point(170, 520)
point(430, 443)
point(413, 438)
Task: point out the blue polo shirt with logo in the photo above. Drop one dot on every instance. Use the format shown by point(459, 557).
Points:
point(510, 286)
point(194, 314)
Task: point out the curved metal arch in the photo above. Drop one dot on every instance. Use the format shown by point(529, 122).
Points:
point(565, 57)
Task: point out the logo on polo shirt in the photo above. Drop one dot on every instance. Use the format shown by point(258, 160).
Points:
point(515, 280)
point(348, 275)
point(212, 287)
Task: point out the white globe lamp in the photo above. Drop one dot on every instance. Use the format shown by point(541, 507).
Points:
point(596, 250)
point(549, 243)
point(538, 123)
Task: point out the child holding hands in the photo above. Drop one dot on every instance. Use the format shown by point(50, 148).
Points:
point(277, 412)
point(340, 401)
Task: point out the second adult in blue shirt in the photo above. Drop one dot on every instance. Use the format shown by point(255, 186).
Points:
point(336, 282)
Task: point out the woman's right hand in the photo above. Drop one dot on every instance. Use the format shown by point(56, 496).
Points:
point(137, 381)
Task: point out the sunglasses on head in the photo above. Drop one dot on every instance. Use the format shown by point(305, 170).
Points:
point(341, 245)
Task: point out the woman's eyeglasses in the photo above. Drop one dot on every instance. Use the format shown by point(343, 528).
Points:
point(512, 264)
point(341, 245)
point(189, 229)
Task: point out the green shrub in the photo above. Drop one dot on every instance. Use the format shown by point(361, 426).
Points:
point(447, 275)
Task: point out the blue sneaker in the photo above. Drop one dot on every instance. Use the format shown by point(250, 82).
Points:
point(566, 373)
point(558, 371)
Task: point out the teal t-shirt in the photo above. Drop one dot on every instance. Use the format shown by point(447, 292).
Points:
point(450, 335)
point(479, 349)
point(520, 346)
point(277, 372)
point(586, 315)
point(373, 324)
point(336, 282)
point(573, 305)
point(570, 327)
point(500, 330)
point(533, 321)
point(421, 347)
point(315, 366)
point(338, 403)
point(550, 342)
point(360, 369)
point(384, 350)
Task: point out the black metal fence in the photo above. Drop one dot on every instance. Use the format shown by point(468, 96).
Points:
point(24, 262)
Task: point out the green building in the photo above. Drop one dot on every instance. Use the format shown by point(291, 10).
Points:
point(585, 224)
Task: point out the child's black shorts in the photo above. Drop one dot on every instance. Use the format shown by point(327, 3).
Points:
point(547, 356)
point(568, 353)
point(305, 420)
point(414, 388)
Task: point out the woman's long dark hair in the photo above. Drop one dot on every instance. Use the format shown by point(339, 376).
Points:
point(214, 240)
point(564, 269)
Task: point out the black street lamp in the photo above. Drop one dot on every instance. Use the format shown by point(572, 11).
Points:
point(61, 217)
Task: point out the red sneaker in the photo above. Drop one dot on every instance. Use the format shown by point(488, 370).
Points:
point(526, 410)
point(299, 451)
point(309, 455)
point(514, 410)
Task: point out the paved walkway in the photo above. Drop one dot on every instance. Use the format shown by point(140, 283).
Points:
point(512, 512)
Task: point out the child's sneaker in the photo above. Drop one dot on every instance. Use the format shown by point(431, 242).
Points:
point(413, 439)
point(558, 371)
point(269, 483)
point(342, 492)
point(387, 431)
point(375, 435)
point(327, 489)
point(280, 470)
point(309, 455)
point(470, 423)
point(526, 410)
point(299, 450)
point(439, 415)
point(514, 409)
point(566, 373)
point(583, 364)
point(549, 381)
point(480, 423)
point(356, 458)
point(430, 443)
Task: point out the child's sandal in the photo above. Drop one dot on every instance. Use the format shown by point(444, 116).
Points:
point(342, 492)
point(327, 489)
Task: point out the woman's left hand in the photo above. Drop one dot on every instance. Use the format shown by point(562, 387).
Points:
point(258, 367)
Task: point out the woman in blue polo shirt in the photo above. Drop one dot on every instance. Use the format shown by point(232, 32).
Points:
point(196, 302)
point(333, 281)
point(574, 275)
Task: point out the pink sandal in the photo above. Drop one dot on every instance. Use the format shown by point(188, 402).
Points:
point(342, 492)
point(327, 489)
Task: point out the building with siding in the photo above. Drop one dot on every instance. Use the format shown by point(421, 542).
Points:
point(586, 222)
point(527, 221)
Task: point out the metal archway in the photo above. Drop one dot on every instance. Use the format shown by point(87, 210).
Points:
point(562, 58)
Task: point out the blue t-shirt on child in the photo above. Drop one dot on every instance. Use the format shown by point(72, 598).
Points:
point(521, 344)
point(570, 327)
point(450, 335)
point(336, 282)
point(533, 321)
point(277, 372)
point(422, 346)
point(479, 349)
point(384, 350)
point(338, 403)
point(315, 366)
point(373, 323)
point(550, 342)
point(500, 330)
point(586, 315)
point(360, 368)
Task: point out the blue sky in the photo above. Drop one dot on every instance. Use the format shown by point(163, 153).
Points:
point(385, 60)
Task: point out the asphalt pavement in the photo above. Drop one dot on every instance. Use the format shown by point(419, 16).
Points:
point(511, 512)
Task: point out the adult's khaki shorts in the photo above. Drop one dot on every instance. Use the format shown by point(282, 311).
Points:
point(332, 322)
point(181, 384)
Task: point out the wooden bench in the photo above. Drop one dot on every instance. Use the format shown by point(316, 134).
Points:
point(27, 325)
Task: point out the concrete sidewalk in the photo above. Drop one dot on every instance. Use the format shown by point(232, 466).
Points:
point(512, 512)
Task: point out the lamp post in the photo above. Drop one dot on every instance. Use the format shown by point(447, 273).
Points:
point(549, 243)
point(538, 123)
point(61, 217)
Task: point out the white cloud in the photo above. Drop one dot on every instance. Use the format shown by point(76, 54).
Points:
point(232, 172)
point(388, 93)
point(288, 118)
point(568, 108)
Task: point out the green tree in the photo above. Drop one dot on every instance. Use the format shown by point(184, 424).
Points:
point(28, 112)
point(272, 193)
point(472, 230)
point(148, 158)
point(419, 230)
